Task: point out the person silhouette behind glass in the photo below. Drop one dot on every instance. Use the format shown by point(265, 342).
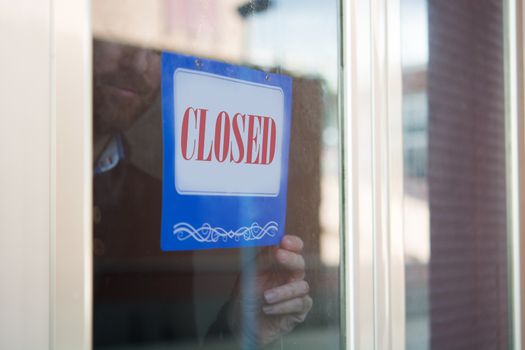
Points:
point(138, 300)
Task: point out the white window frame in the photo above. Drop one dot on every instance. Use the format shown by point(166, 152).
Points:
point(515, 136)
point(71, 186)
point(373, 176)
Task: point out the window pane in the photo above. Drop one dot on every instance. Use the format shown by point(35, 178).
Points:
point(455, 175)
point(146, 298)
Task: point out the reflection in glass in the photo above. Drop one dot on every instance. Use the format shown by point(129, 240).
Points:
point(150, 299)
point(414, 49)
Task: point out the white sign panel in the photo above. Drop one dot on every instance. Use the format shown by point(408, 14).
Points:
point(230, 134)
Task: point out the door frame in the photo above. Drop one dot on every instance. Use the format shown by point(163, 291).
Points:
point(71, 173)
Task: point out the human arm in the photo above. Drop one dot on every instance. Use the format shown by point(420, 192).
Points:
point(270, 298)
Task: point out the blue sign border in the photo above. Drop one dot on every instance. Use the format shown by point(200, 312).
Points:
point(192, 221)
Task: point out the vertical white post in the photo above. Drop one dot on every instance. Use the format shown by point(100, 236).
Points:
point(358, 176)
point(373, 175)
point(72, 176)
point(25, 176)
point(394, 177)
point(514, 137)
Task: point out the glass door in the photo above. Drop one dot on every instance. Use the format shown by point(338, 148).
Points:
point(211, 280)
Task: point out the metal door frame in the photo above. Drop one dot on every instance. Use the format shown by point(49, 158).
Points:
point(373, 175)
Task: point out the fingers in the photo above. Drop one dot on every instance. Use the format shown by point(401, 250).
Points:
point(300, 306)
point(289, 257)
point(288, 291)
point(291, 261)
point(292, 243)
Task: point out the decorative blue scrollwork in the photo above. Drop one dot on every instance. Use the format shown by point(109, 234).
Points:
point(206, 233)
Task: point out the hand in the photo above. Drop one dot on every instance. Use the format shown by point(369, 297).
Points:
point(279, 300)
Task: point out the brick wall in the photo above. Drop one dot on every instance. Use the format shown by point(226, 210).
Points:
point(468, 266)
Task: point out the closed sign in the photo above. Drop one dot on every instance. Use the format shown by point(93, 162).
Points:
point(230, 128)
point(226, 142)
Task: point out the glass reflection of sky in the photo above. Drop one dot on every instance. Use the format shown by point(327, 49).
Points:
point(414, 33)
point(293, 34)
point(414, 56)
